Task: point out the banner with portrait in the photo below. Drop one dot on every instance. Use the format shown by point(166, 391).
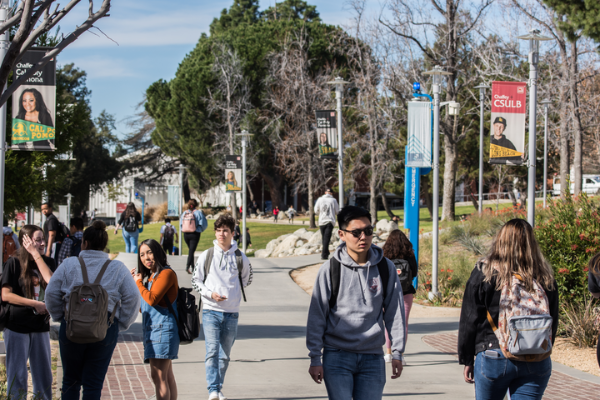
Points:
point(507, 136)
point(34, 105)
point(327, 135)
point(418, 153)
point(233, 173)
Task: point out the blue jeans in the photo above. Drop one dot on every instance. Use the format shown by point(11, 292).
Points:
point(495, 375)
point(85, 364)
point(353, 375)
point(220, 330)
point(131, 241)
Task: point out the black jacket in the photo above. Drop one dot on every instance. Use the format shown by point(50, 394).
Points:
point(475, 333)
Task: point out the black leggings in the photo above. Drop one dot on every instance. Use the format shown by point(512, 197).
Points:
point(191, 239)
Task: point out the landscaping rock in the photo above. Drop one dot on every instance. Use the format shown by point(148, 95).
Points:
point(299, 243)
point(382, 225)
point(272, 245)
point(304, 234)
point(316, 238)
point(288, 243)
point(303, 251)
point(264, 253)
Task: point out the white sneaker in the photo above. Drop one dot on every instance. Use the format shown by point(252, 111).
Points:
point(222, 396)
point(388, 358)
point(213, 396)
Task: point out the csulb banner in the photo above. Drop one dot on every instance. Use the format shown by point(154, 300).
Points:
point(327, 133)
point(34, 105)
point(509, 107)
point(233, 173)
point(418, 153)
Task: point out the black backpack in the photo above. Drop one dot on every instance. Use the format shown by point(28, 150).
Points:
point(62, 233)
point(335, 271)
point(168, 235)
point(406, 275)
point(188, 315)
point(130, 224)
point(75, 247)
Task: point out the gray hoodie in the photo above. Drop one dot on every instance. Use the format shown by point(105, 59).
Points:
point(356, 322)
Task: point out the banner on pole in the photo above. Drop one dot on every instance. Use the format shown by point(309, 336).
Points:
point(34, 105)
point(233, 173)
point(507, 136)
point(173, 199)
point(418, 154)
point(327, 135)
point(121, 207)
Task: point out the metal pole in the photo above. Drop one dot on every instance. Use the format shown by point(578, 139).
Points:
point(436, 188)
point(533, 60)
point(245, 190)
point(338, 96)
point(68, 222)
point(4, 43)
point(545, 151)
point(481, 107)
point(181, 168)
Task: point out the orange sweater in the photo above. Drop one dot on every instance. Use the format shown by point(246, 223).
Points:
point(165, 283)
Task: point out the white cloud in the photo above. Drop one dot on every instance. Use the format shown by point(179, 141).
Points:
point(102, 67)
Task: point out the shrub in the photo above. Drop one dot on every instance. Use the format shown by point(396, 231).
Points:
point(148, 211)
point(579, 321)
point(160, 212)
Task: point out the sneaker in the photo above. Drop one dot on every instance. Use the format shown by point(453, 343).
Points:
point(222, 396)
point(388, 358)
point(403, 362)
point(213, 396)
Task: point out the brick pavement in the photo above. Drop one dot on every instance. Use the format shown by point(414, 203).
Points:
point(560, 387)
point(128, 378)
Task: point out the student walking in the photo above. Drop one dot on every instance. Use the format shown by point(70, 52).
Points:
point(327, 207)
point(275, 213)
point(512, 285)
point(355, 293)
point(157, 284)
point(168, 236)
point(71, 246)
point(86, 364)
point(229, 271)
point(52, 232)
point(290, 214)
point(399, 250)
point(26, 334)
point(129, 221)
point(192, 223)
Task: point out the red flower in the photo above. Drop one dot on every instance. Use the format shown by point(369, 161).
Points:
point(450, 270)
point(574, 247)
point(449, 278)
point(582, 236)
point(586, 269)
point(428, 273)
point(428, 283)
point(442, 270)
point(563, 271)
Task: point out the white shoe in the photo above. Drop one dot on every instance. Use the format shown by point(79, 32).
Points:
point(403, 362)
point(213, 396)
point(388, 358)
point(222, 396)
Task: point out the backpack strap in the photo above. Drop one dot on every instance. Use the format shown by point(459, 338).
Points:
point(491, 321)
point(210, 252)
point(334, 274)
point(239, 261)
point(384, 273)
point(101, 273)
point(83, 271)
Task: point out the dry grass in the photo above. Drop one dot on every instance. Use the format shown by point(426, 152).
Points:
point(160, 212)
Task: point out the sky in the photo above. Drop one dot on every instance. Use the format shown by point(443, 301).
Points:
point(148, 40)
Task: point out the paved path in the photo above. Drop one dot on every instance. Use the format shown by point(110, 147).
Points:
point(269, 358)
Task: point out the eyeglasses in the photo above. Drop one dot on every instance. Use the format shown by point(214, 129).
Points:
point(357, 233)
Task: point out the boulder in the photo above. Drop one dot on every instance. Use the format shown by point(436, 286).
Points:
point(299, 243)
point(384, 236)
point(209, 217)
point(392, 226)
point(382, 225)
point(264, 253)
point(303, 251)
point(316, 238)
point(272, 245)
point(300, 232)
point(289, 242)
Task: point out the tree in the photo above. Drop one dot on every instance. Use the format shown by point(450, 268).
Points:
point(581, 15)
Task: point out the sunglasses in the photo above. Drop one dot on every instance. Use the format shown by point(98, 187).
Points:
point(357, 233)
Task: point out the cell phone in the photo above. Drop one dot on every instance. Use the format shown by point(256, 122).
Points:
point(492, 353)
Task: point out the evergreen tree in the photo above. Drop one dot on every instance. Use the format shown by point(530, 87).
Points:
point(581, 15)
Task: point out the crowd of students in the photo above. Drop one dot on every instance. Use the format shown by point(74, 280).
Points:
point(361, 300)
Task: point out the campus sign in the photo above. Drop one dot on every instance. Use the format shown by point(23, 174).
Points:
point(418, 152)
point(509, 105)
point(233, 173)
point(34, 105)
point(327, 133)
point(173, 200)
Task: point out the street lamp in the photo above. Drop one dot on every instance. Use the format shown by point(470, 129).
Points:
point(69, 196)
point(534, 38)
point(181, 169)
point(339, 94)
point(481, 88)
point(546, 103)
point(245, 138)
point(437, 73)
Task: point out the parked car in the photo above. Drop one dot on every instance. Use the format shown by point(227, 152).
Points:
point(591, 185)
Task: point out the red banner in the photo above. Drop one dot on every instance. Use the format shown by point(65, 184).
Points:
point(509, 106)
point(121, 207)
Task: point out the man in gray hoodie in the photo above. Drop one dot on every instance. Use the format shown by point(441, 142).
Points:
point(347, 312)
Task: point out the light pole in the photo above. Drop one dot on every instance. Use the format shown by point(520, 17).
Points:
point(481, 88)
point(180, 201)
point(68, 196)
point(534, 38)
point(546, 103)
point(437, 74)
point(245, 138)
point(339, 94)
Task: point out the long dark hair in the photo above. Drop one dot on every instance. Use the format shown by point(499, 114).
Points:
point(40, 106)
point(130, 211)
point(397, 246)
point(160, 259)
point(96, 236)
point(28, 266)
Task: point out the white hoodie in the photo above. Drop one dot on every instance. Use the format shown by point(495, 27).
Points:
point(222, 278)
point(327, 207)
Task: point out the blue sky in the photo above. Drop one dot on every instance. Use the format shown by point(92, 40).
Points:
point(153, 37)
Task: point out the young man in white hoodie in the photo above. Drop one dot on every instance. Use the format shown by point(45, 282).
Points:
point(222, 290)
point(327, 207)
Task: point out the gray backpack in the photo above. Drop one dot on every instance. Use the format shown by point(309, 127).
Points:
point(87, 315)
point(239, 261)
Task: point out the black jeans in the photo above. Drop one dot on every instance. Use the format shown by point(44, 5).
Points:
point(326, 231)
point(168, 248)
point(191, 239)
point(85, 364)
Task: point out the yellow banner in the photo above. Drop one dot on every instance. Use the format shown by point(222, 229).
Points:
point(499, 151)
point(26, 131)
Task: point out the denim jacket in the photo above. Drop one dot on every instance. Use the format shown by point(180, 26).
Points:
point(475, 333)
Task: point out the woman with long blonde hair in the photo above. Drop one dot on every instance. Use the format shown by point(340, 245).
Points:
point(515, 253)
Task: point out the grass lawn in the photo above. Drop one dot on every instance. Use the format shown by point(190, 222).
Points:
point(260, 234)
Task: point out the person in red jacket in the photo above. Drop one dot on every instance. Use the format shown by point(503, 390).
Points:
point(276, 213)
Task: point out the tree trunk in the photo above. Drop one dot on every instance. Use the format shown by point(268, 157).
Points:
point(564, 142)
point(426, 195)
point(386, 205)
point(373, 198)
point(250, 193)
point(273, 181)
point(449, 180)
point(311, 205)
point(577, 130)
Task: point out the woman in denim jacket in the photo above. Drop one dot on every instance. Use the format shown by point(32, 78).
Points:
point(161, 337)
point(514, 251)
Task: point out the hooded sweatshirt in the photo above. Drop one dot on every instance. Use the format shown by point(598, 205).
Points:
point(327, 207)
point(356, 323)
point(222, 278)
